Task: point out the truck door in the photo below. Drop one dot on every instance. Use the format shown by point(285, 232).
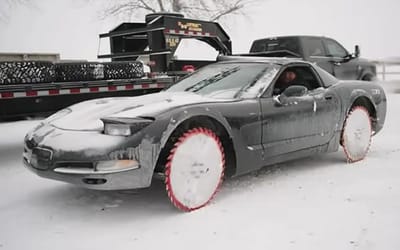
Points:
point(314, 51)
point(343, 66)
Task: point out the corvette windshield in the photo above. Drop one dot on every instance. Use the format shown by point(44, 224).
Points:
point(226, 80)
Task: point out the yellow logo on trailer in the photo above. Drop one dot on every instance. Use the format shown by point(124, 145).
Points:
point(190, 26)
point(172, 41)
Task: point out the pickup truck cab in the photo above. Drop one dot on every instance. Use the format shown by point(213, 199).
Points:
point(326, 52)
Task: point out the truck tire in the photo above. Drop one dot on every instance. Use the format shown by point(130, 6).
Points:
point(123, 70)
point(26, 72)
point(85, 71)
point(367, 77)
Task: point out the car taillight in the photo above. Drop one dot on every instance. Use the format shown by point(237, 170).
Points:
point(188, 68)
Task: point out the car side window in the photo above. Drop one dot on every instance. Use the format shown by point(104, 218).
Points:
point(335, 49)
point(314, 46)
point(296, 75)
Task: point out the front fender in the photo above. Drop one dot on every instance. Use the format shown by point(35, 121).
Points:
point(183, 114)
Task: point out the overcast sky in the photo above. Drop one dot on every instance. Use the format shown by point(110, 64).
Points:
point(71, 28)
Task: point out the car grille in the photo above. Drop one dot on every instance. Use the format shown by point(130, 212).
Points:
point(39, 158)
point(42, 154)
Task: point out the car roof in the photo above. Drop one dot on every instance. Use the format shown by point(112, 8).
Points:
point(261, 59)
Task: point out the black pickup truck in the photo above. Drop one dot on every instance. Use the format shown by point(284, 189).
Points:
point(326, 52)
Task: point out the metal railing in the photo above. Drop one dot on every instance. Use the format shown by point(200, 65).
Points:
point(388, 68)
point(52, 57)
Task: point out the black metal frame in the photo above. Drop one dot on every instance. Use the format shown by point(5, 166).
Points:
point(154, 34)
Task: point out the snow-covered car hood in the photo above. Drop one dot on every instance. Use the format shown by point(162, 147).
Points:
point(87, 115)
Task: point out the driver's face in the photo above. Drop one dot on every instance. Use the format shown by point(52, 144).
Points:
point(289, 76)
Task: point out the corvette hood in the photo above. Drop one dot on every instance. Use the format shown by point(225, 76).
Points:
point(86, 115)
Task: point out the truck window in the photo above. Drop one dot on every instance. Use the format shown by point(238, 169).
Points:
point(314, 47)
point(335, 49)
point(276, 44)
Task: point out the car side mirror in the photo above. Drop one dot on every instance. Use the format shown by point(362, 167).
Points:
point(291, 91)
point(294, 90)
point(357, 51)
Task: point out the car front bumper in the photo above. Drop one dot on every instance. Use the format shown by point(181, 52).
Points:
point(47, 154)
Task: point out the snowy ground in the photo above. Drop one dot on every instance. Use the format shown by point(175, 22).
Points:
point(316, 203)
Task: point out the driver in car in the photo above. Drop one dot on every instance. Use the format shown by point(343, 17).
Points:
point(287, 79)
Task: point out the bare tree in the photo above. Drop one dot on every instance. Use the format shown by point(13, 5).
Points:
point(211, 10)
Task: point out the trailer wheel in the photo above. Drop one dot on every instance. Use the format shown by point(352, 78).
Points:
point(195, 169)
point(356, 134)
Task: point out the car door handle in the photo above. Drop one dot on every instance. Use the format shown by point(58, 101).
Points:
point(337, 63)
point(328, 97)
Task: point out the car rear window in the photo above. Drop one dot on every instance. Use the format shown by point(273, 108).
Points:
point(276, 44)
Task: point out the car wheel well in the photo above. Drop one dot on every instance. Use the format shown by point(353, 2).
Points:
point(367, 77)
point(205, 122)
point(366, 103)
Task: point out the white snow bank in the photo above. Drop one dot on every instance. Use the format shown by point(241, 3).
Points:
point(315, 203)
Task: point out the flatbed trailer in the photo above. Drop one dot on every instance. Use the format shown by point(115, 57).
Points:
point(32, 88)
point(46, 98)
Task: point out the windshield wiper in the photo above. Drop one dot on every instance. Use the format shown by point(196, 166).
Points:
point(206, 82)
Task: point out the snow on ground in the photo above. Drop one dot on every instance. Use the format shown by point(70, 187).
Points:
point(315, 203)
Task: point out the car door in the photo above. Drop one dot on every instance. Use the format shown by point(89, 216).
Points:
point(326, 113)
point(301, 121)
point(285, 127)
point(343, 66)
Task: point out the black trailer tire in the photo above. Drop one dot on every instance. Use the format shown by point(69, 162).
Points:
point(357, 134)
point(123, 70)
point(26, 72)
point(84, 71)
point(195, 169)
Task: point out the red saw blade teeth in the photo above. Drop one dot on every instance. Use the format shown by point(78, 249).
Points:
point(349, 158)
point(185, 136)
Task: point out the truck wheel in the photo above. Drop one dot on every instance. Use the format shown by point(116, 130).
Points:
point(357, 133)
point(195, 169)
point(367, 78)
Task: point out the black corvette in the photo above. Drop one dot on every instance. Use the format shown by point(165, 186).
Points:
point(225, 119)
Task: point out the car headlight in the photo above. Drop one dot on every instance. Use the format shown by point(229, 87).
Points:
point(125, 126)
point(117, 129)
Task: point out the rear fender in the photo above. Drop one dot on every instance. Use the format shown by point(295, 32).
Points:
point(355, 94)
